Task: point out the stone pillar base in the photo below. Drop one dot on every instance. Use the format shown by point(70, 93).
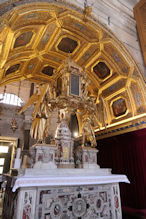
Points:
point(86, 157)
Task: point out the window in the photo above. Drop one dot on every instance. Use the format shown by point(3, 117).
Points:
point(8, 147)
point(4, 149)
point(11, 99)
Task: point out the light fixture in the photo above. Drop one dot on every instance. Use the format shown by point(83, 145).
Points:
point(14, 125)
point(75, 134)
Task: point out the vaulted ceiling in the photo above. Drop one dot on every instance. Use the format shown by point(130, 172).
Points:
point(36, 39)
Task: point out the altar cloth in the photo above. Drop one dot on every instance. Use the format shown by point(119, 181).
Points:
point(31, 181)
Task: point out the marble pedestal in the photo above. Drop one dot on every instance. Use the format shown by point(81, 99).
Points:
point(86, 157)
point(43, 156)
point(64, 194)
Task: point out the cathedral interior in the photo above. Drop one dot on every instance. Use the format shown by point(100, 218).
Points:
point(106, 40)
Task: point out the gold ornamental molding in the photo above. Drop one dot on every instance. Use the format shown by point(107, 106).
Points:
point(37, 38)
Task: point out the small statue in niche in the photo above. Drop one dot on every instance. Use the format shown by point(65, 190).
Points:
point(92, 109)
point(65, 85)
point(52, 91)
point(84, 86)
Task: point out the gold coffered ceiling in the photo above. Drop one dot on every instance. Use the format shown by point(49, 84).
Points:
point(36, 39)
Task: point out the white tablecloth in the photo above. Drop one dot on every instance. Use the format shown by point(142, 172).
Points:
point(30, 181)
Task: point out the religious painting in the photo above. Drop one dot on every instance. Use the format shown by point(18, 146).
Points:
point(119, 107)
point(12, 69)
point(101, 70)
point(74, 85)
point(23, 39)
point(48, 70)
point(67, 45)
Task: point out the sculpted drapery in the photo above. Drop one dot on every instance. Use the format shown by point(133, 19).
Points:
point(40, 125)
point(41, 114)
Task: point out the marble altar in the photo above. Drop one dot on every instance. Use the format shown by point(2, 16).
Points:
point(57, 186)
point(64, 193)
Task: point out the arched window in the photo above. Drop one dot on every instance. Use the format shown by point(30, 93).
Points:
point(11, 99)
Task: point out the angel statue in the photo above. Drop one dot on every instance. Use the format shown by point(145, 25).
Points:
point(41, 114)
point(88, 130)
point(100, 112)
point(84, 86)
